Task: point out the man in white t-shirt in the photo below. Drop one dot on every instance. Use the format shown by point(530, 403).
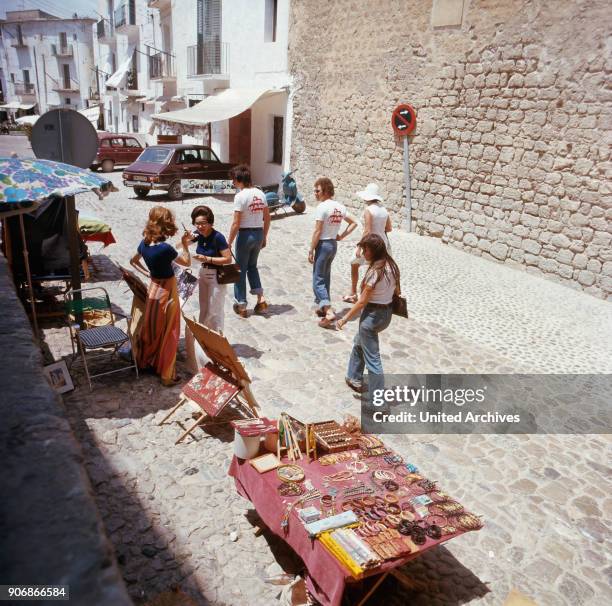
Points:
point(249, 228)
point(328, 219)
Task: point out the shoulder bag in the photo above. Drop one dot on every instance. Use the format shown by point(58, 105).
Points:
point(228, 274)
point(399, 306)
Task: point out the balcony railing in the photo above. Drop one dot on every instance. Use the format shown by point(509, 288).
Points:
point(161, 66)
point(125, 14)
point(67, 87)
point(208, 59)
point(105, 29)
point(132, 80)
point(62, 51)
point(94, 93)
point(26, 88)
point(18, 43)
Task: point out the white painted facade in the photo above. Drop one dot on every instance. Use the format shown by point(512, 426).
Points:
point(47, 62)
point(249, 58)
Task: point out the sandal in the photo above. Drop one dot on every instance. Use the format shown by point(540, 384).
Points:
point(350, 298)
point(325, 322)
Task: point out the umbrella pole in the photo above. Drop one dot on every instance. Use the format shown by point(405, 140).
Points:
point(75, 262)
point(29, 276)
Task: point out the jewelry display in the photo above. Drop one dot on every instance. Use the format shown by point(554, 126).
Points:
point(290, 489)
point(468, 521)
point(357, 467)
point(383, 474)
point(340, 457)
point(290, 473)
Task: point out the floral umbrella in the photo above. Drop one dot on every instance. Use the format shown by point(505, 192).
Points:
point(31, 180)
point(24, 182)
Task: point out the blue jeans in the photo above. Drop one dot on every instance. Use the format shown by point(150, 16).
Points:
point(366, 351)
point(321, 271)
point(248, 245)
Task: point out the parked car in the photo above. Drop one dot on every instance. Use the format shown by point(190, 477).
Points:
point(163, 167)
point(116, 150)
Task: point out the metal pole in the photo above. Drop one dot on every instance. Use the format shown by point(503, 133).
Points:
point(407, 183)
point(75, 262)
point(29, 276)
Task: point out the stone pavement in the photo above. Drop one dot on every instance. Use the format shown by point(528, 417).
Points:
point(175, 518)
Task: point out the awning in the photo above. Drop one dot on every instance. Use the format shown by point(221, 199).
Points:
point(27, 119)
point(117, 78)
point(91, 113)
point(225, 105)
point(17, 105)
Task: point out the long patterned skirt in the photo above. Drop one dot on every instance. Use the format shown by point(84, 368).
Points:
point(161, 329)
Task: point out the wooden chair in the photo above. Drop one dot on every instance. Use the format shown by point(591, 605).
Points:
point(92, 327)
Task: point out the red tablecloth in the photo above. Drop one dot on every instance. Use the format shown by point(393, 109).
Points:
point(106, 237)
point(327, 578)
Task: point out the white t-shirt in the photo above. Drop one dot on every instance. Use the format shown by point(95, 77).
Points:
point(331, 213)
point(382, 293)
point(250, 202)
point(379, 216)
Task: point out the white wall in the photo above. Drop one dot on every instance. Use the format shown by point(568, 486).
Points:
point(262, 134)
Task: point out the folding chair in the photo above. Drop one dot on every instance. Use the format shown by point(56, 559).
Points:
point(98, 330)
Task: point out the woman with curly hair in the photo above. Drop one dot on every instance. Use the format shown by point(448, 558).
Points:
point(378, 286)
point(158, 341)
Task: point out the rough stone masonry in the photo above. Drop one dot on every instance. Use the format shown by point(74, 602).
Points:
point(511, 156)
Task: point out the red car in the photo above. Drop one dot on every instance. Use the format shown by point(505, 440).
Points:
point(163, 167)
point(116, 150)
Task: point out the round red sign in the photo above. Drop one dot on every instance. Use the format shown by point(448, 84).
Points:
point(403, 119)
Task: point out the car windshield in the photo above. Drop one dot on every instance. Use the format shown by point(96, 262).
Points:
point(158, 155)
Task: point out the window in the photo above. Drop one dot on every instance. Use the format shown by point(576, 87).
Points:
point(159, 155)
point(134, 125)
point(277, 141)
point(105, 142)
point(66, 68)
point(13, 78)
point(189, 156)
point(270, 18)
point(117, 142)
point(67, 100)
point(63, 42)
point(132, 142)
point(26, 76)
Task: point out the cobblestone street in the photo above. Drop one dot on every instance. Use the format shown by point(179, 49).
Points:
point(174, 516)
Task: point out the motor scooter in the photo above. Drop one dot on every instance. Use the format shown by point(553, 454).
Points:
point(291, 197)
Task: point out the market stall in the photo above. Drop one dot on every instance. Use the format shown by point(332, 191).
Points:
point(359, 510)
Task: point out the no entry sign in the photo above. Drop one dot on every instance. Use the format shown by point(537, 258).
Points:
point(403, 119)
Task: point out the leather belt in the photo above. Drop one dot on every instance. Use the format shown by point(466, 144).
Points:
point(379, 305)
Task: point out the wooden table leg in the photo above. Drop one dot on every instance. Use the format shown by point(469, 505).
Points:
point(180, 403)
point(192, 428)
point(366, 597)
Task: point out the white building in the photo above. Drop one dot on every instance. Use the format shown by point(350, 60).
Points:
point(136, 73)
point(46, 62)
point(230, 59)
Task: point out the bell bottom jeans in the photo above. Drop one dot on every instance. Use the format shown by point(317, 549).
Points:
point(321, 271)
point(248, 245)
point(366, 351)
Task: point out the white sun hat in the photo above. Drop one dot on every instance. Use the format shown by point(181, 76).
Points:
point(371, 192)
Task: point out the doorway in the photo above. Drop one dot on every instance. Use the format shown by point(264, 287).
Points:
point(240, 138)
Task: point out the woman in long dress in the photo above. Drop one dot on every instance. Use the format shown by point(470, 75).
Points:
point(159, 336)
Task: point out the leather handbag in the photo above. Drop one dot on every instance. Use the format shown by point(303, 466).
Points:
point(399, 306)
point(228, 274)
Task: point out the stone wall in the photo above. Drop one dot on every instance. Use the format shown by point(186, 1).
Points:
point(50, 531)
point(511, 156)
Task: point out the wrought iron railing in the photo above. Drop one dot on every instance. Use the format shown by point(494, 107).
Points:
point(125, 14)
point(208, 59)
point(25, 88)
point(62, 51)
point(161, 65)
point(104, 28)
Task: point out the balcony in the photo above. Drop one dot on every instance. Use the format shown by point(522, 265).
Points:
point(105, 31)
point(94, 94)
point(67, 87)
point(125, 16)
point(19, 43)
point(132, 80)
point(62, 51)
point(208, 60)
point(25, 88)
point(161, 67)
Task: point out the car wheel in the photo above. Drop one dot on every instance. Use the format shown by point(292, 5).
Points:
point(141, 192)
point(107, 166)
point(174, 191)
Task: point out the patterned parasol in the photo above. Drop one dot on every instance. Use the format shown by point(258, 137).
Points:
point(25, 180)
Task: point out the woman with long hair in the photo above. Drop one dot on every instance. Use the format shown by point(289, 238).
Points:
point(378, 286)
point(159, 337)
point(329, 216)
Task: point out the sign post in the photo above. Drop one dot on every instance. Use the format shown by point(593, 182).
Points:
point(403, 121)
